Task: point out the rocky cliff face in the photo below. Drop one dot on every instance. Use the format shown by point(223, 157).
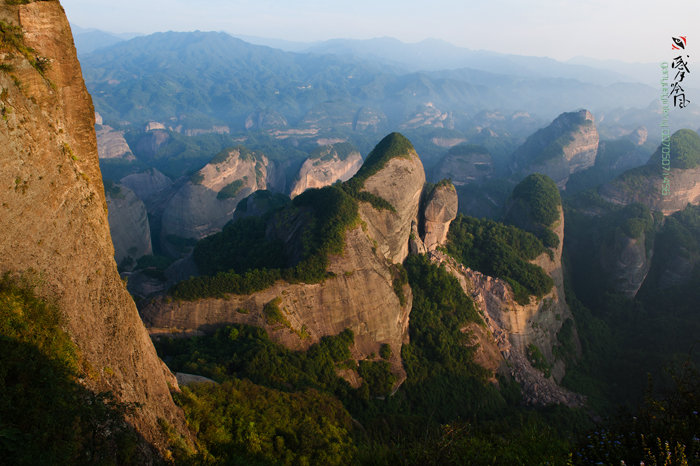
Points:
point(626, 263)
point(569, 144)
point(465, 164)
point(332, 163)
point(54, 217)
point(112, 145)
point(128, 224)
point(400, 182)
point(207, 202)
point(362, 293)
point(439, 211)
point(360, 297)
point(513, 327)
point(147, 185)
point(644, 185)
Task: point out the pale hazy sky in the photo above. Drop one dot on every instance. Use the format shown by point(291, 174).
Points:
point(632, 30)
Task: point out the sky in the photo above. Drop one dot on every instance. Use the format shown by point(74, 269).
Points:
point(631, 31)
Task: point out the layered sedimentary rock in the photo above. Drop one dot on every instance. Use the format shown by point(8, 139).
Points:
point(569, 144)
point(439, 211)
point(128, 224)
point(207, 202)
point(53, 217)
point(333, 163)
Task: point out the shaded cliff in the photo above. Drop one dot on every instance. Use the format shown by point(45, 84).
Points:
point(662, 187)
point(326, 166)
point(54, 215)
point(568, 145)
point(464, 164)
point(207, 201)
point(128, 224)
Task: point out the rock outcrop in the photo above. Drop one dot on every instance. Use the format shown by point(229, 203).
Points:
point(360, 297)
point(439, 211)
point(626, 262)
point(54, 218)
point(362, 292)
point(399, 182)
point(568, 145)
point(514, 328)
point(644, 186)
point(465, 164)
point(112, 145)
point(147, 185)
point(338, 162)
point(128, 224)
point(207, 202)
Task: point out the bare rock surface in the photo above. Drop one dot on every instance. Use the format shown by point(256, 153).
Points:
point(112, 145)
point(331, 164)
point(128, 224)
point(207, 202)
point(53, 218)
point(439, 212)
point(400, 183)
point(568, 145)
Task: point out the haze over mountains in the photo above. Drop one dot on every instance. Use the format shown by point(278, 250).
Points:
point(295, 286)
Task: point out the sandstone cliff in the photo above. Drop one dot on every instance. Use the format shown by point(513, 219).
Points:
point(626, 263)
point(128, 224)
point(207, 202)
point(338, 162)
point(464, 164)
point(54, 216)
point(645, 185)
point(515, 329)
point(363, 292)
point(112, 145)
point(400, 182)
point(569, 144)
point(148, 186)
point(439, 211)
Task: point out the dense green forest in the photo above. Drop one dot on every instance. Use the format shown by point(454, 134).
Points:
point(501, 251)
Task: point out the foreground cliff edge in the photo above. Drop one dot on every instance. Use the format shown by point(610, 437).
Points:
point(54, 214)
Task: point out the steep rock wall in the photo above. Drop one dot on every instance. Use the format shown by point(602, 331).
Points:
point(53, 218)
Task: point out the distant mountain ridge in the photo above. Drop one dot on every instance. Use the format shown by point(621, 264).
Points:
point(197, 80)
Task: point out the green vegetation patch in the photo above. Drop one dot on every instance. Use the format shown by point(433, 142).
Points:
point(541, 196)
point(239, 422)
point(39, 369)
point(231, 190)
point(242, 258)
point(685, 150)
point(245, 154)
point(394, 145)
point(534, 207)
point(274, 315)
point(538, 361)
point(12, 40)
point(501, 251)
